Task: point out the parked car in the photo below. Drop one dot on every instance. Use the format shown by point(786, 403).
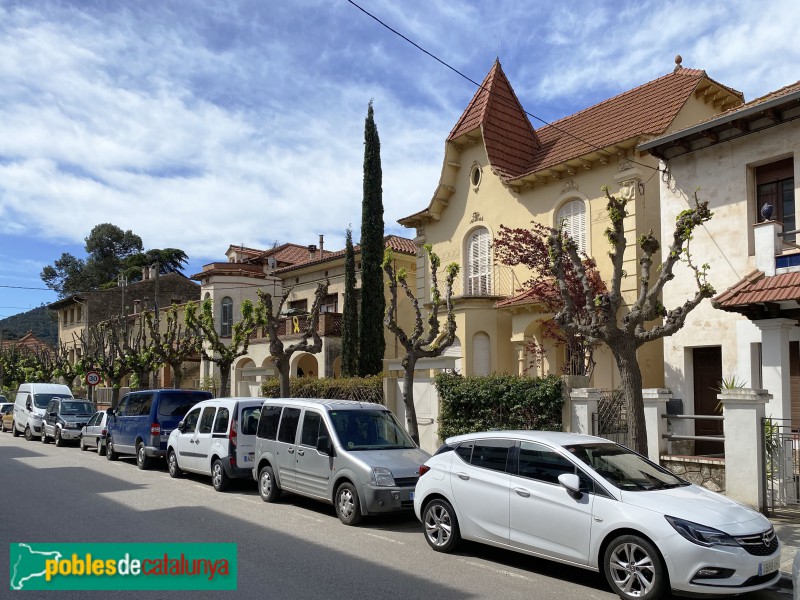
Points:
point(588, 502)
point(353, 455)
point(94, 432)
point(7, 413)
point(217, 438)
point(64, 418)
point(143, 420)
point(29, 405)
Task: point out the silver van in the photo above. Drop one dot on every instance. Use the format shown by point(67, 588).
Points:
point(354, 455)
point(29, 405)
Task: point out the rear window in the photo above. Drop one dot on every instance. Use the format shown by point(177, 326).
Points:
point(7, 409)
point(268, 422)
point(250, 417)
point(177, 404)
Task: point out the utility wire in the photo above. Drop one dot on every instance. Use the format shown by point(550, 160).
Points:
point(482, 87)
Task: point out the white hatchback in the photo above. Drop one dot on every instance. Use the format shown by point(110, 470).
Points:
point(588, 502)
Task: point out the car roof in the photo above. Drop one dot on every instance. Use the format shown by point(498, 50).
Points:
point(554, 438)
point(327, 403)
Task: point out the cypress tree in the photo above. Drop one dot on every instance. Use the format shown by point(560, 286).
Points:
point(349, 312)
point(371, 342)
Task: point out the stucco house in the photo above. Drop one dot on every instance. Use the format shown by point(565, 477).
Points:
point(499, 170)
point(741, 160)
point(297, 269)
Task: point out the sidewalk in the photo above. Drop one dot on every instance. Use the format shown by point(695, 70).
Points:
point(787, 526)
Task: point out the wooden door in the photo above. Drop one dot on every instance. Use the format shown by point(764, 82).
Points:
point(707, 378)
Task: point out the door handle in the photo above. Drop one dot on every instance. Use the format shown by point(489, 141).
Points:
point(463, 476)
point(301, 452)
point(290, 450)
point(522, 492)
point(191, 441)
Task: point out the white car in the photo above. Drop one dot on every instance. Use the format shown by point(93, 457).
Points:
point(94, 432)
point(588, 502)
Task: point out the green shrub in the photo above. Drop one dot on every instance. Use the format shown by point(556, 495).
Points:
point(362, 389)
point(468, 404)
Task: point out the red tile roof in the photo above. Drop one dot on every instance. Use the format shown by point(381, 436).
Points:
point(525, 298)
point(230, 269)
point(515, 149)
point(508, 135)
point(290, 254)
point(395, 242)
point(757, 288)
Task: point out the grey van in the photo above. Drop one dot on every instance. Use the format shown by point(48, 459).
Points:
point(353, 455)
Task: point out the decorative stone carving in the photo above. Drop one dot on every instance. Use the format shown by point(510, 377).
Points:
point(476, 216)
point(625, 164)
point(627, 189)
point(569, 186)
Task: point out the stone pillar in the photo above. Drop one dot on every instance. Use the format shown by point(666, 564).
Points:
point(775, 365)
point(655, 409)
point(569, 383)
point(767, 245)
point(584, 406)
point(743, 409)
point(520, 359)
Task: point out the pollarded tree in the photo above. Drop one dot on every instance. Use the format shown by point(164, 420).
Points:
point(530, 247)
point(138, 345)
point(67, 369)
point(175, 344)
point(419, 344)
point(107, 340)
point(214, 347)
point(271, 321)
point(350, 311)
point(371, 341)
point(624, 328)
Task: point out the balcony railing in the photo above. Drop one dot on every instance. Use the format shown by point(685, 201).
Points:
point(500, 281)
point(329, 324)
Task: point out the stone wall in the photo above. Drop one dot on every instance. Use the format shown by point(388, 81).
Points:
point(703, 471)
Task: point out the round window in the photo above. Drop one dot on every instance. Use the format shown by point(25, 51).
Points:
point(475, 175)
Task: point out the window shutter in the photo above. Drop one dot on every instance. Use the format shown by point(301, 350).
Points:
point(572, 217)
point(481, 355)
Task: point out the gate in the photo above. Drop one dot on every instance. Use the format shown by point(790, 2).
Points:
point(611, 419)
point(781, 465)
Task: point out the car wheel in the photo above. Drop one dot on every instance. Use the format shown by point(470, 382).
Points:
point(14, 431)
point(80, 443)
point(172, 465)
point(267, 486)
point(348, 507)
point(44, 439)
point(441, 526)
point(219, 478)
point(142, 460)
point(634, 569)
point(110, 454)
point(58, 438)
point(101, 448)
point(28, 433)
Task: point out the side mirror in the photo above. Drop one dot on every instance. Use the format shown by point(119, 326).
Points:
point(111, 412)
point(28, 405)
point(571, 482)
point(181, 427)
point(53, 414)
point(324, 445)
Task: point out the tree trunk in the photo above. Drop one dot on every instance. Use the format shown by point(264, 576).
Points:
point(631, 384)
point(283, 374)
point(115, 392)
point(224, 379)
point(177, 376)
point(408, 400)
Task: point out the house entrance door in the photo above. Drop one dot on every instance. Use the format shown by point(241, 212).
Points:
point(707, 378)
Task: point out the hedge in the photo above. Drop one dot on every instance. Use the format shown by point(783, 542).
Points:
point(468, 404)
point(362, 389)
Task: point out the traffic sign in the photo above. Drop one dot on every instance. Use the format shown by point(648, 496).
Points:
point(92, 378)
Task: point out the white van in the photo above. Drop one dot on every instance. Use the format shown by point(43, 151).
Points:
point(217, 438)
point(354, 455)
point(32, 399)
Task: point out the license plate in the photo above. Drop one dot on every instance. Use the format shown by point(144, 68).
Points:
point(412, 496)
point(769, 566)
point(251, 457)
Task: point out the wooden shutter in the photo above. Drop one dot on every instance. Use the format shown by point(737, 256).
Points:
point(572, 217)
point(481, 354)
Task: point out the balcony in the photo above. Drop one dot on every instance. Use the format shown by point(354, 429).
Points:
point(500, 282)
point(294, 327)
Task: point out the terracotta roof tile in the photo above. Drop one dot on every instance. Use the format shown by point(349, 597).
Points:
point(395, 242)
point(231, 269)
point(757, 288)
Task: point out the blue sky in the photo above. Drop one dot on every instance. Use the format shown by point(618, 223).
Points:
point(203, 124)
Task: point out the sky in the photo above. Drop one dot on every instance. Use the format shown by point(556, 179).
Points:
point(198, 125)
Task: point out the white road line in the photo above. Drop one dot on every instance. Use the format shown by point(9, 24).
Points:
point(493, 570)
point(385, 539)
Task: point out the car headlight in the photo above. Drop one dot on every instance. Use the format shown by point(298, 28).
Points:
point(382, 477)
point(701, 534)
point(71, 426)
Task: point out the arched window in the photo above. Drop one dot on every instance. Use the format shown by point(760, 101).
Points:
point(481, 354)
point(572, 218)
point(226, 322)
point(479, 264)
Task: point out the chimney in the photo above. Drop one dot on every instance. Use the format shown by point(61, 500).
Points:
point(768, 245)
point(312, 250)
point(321, 241)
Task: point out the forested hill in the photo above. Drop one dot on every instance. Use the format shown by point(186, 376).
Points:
point(41, 321)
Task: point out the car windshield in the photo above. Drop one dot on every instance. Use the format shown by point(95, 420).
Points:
point(369, 430)
point(42, 400)
point(77, 408)
point(625, 469)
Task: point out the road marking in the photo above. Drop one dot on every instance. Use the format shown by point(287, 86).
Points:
point(384, 538)
point(500, 571)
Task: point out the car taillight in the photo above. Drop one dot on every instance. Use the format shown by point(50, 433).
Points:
point(423, 469)
point(232, 434)
point(104, 431)
point(155, 429)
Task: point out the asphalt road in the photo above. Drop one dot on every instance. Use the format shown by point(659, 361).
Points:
point(294, 549)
